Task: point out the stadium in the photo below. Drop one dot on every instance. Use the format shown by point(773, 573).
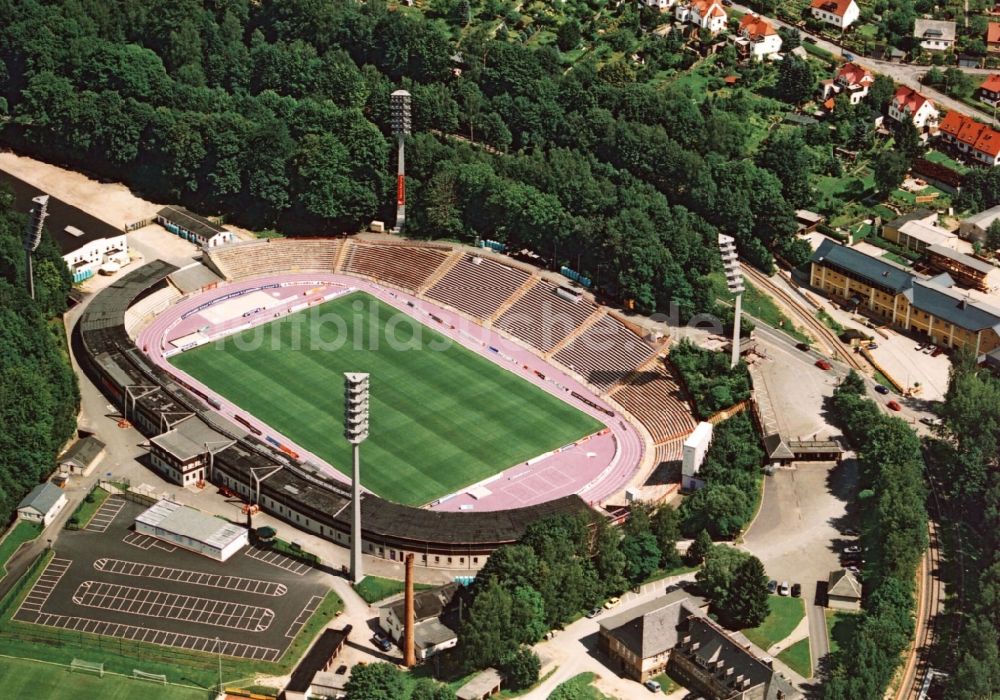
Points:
point(499, 394)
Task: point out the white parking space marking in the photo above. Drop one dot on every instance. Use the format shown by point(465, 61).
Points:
point(158, 637)
point(172, 606)
point(145, 542)
point(44, 586)
point(280, 560)
point(306, 613)
point(106, 514)
point(195, 578)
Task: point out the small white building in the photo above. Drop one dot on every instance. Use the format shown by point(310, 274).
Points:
point(94, 254)
point(843, 591)
point(908, 104)
point(704, 14)
point(934, 35)
point(661, 5)
point(192, 529)
point(757, 37)
point(42, 504)
point(82, 456)
point(430, 634)
point(192, 227)
point(974, 228)
point(840, 13)
point(694, 451)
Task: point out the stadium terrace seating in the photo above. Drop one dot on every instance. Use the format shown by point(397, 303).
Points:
point(542, 319)
point(407, 267)
point(478, 289)
point(605, 353)
point(654, 398)
point(275, 256)
point(144, 309)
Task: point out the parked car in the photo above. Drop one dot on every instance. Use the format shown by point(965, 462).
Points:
point(652, 686)
point(824, 365)
point(772, 586)
point(930, 421)
point(894, 405)
point(937, 351)
point(804, 347)
point(594, 613)
point(881, 389)
point(809, 39)
point(382, 642)
point(612, 602)
point(783, 589)
point(851, 532)
point(852, 549)
point(872, 346)
point(796, 590)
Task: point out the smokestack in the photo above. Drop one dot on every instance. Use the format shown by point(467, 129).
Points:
point(409, 657)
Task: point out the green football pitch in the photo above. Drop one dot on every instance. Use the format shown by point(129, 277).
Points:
point(442, 417)
point(30, 679)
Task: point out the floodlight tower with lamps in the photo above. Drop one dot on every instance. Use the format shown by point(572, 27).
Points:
point(399, 106)
point(356, 430)
point(32, 237)
point(734, 282)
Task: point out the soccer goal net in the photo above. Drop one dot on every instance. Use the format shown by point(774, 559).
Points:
point(81, 666)
point(160, 678)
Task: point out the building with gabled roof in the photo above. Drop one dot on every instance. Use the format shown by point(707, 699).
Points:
point(839, 13)
point(993, 37)
point(934, 35)
point(989, 89)
point(908, 104)
point(843, 591)
point(42, 504)
point(756, 37)
point(434, 629)
point(850, 79)
point(979, 141)
point(704, 14)
point(190, 528)
point(974, 227)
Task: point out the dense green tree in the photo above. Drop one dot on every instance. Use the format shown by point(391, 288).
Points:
point(521, 669)
point(427, 689)
point(993, 236)
point(746, 604)
point(568, 35)
point(642, 556)
point(796, 81)
point(699, 548)
point(785, 154)
point(907, 140)
point(487, 635)
point(666, 527)
point(890, 168)
point(609, 559)
point(379, 681)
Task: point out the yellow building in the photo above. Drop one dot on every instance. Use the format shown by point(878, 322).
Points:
point(924, 306)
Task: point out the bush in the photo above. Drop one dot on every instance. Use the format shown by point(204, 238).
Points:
point(521, 670)
point(708, 378)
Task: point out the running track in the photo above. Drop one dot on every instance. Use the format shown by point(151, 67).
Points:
point(595, 469)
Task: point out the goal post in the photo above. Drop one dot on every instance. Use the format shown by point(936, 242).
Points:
point(81, 666)
point(160, 678)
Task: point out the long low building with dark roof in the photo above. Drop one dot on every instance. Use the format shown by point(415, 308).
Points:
point(926, 306)
point(297, 492)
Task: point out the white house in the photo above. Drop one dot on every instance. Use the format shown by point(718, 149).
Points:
point(704, 14)
point(430, 633)
point(851, 79)
point(94, 254)
point(840, 13)
point(934, 35)
point(757, 37)
point(907, 103)
point(42, 504)
point(661, 5)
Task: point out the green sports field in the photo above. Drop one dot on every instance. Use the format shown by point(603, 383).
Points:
point(30, 679)
point(441, 419)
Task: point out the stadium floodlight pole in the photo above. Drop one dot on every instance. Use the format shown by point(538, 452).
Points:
point(356, 394)
point(32, 237)
point(399, 106)
point(734, 282)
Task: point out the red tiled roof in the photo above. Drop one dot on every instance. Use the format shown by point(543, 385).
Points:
point(952, 123)
point(989, 142)
point(755, 26)
point(837, 7)
point(992, 83)
point(907, 99)
point(993, 33)
point(970, 131)
point(853, 74)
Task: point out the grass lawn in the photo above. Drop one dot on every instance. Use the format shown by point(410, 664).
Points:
point(840, 626)
point(22, 532)
point(85, 511)
point(797, 657)
point(375, 588)
point(667, 684)
point(786, 613)
point(441, 419)
point(578, 687)
point(32, 679)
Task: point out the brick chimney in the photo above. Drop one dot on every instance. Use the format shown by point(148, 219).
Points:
point(409, 657)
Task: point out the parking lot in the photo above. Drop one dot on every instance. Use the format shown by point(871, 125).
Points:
point(108, 580)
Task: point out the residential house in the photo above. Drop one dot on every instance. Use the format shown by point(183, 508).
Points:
point(757, 37)
point(704, 14)
point(434, 629)
point(989, 91)
point(661, 5)
point(843, 591)
point(851, 79)
point(42, 504)
point(82, 456)
point(908, 104)
point(934, 35)
point(926, 306)
point(971, 138)
point(918, 230)
point(993, 37)
point(671, 633)
point(975, 227)
point(840, 13)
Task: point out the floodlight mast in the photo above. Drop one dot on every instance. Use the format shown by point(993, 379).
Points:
point(399, 106)
point(33, 237)
point(734, 282)
point(356, 395)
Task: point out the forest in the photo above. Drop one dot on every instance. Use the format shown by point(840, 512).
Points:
point(34, 365)
point(275, 115)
